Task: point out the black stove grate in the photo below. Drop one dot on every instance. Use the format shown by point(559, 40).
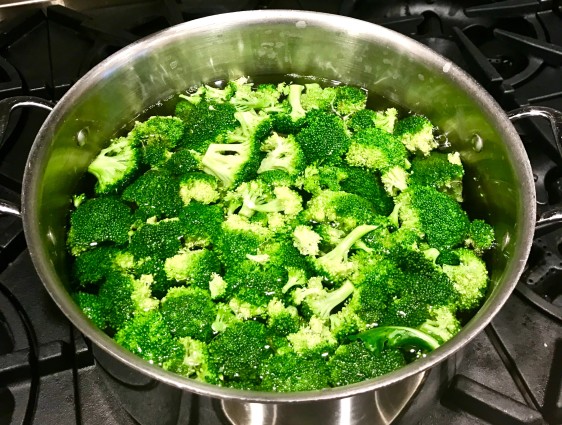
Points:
point(512, 372)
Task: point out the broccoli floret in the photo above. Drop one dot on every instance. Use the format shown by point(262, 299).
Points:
point(92, 307)
point(367, 118)
point(316, 178)
point(189, 312)
point(319, 302)
point(199, 187)
point(373, 294)
point(265, 97)
point(239, 352)
point(316, 97)
point(92, 266)
point(377, 150)
point(224, 318)
point(306, 240)
point(335, 264)
point(254, 285)
point(192, 267)
point(340, 209)
point(192, 361)
point(238, 238)
point(122, 297)
point(254, 196)
point(349, 99)
point(98, 221)
point(323, 138)
point(155, 194)
point(282, 320)
point(160, 239)
point(238, 159)
point(470, 278)
point(416, 133)
point(290, 372)
point(345, 323)
point(395, 180)
point(283, 153)
point(147, 336)
point(295, 277)
point(153, 268)
point(157, 137)
point(386, 120)
point(115, 166)
point(441, 171)
point(201, 223)
point(481, 236)
point(183, 161)
point(354, 362)
point(205, 121)
point(217, 286)
point(366, 184)
point(437, 216)
point(313, 338)
point(275, 178)
point(441, 325)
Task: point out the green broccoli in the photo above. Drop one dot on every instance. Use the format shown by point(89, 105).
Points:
point(239, 352)
point(192, 360)
point(323, 137)
point(437, 216)
point(283, 153)
point(313, 339)
point(192, 267)
point(349, 99)
point(182, 161)
point(290, 372)
point(154, 239)
point(317, 97)
point(367, 184)
point(155, 194)
point(282, 320)
point(199, 187)
point(470, 278)
point(189, 312)
point(316, 179)
point(239, 158)
point(481, 236)
point(416, 133)
point(103, 220)
point(317, 301)
point(204, 122)
point(147, 336)
point(442, 171)
point(115, 166)
point(157, 137)
point(354, 362)
point(92, 307)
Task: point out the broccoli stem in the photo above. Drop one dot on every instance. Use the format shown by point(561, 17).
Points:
point(323, 306)
point(340, 252)
point(377, 339)
point(294, 98)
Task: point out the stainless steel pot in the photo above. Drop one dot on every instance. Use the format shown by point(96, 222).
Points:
point(499, 183)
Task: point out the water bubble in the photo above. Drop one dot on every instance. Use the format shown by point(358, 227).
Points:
point(82, 136)
point(477, 143)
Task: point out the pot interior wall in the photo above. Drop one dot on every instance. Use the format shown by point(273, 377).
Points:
point(214, 48)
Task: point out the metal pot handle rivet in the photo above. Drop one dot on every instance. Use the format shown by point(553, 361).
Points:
point(553, 217)
point(6, 107)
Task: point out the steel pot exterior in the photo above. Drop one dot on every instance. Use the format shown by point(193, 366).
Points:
point(499, 182)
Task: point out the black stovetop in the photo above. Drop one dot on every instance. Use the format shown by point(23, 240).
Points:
point(511, 373)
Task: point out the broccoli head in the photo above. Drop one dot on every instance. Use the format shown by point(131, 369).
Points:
point(103, 220)
point(416, 133)
point(290, 372)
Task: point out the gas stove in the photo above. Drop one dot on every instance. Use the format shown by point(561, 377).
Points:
point(511, 373)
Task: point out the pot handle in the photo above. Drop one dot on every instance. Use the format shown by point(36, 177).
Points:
point(6, 107)
point(551, 219)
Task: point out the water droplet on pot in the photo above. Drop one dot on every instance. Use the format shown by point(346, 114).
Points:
point(477, 143)
point(82, 136)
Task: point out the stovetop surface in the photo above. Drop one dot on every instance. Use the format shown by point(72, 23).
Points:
point(511, 373)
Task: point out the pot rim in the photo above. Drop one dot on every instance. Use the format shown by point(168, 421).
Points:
point(32, 178)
